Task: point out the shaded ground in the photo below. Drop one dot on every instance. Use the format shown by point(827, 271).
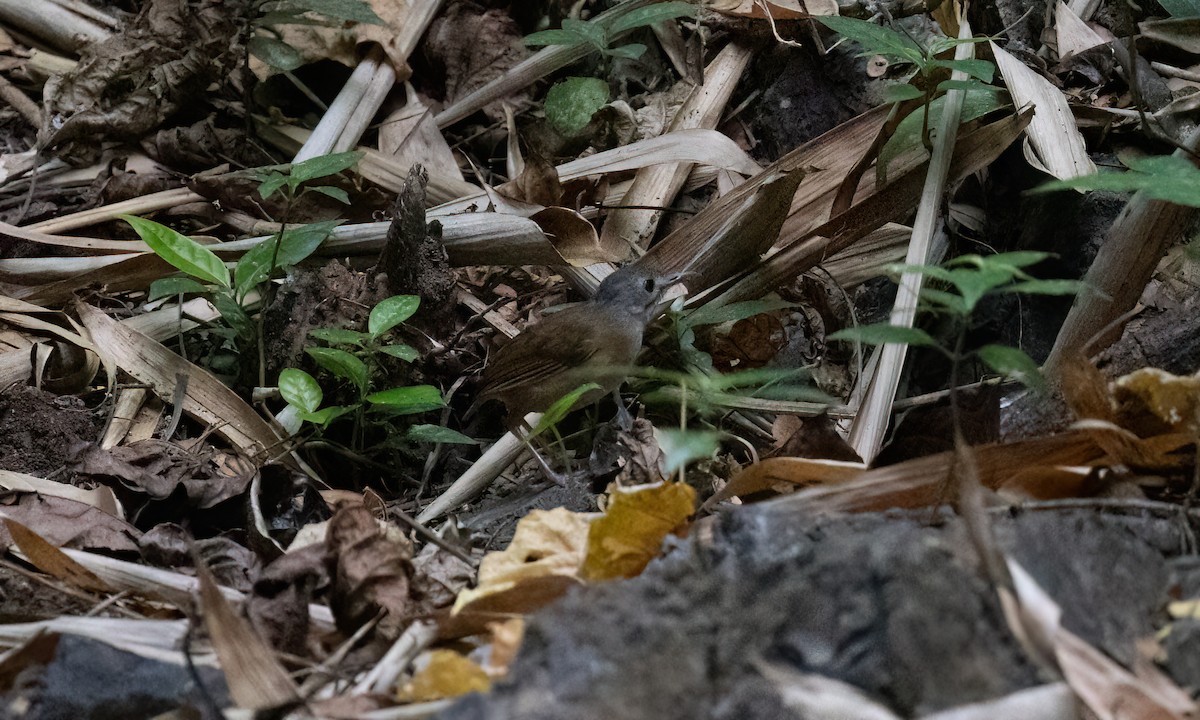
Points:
point(884, 602)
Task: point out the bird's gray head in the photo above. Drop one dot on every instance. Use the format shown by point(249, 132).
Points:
point(634, 290)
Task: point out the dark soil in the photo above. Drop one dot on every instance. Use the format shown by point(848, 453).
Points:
point(883, 602)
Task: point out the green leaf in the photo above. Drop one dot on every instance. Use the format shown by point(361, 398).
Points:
point(571, 103)
point(968, 85)
point(390, 312)
point(271, 184)
point(300, 389)
point(352, 10)
point(324, 416)
point(342, 364)
point(1012, 362)
point(951, 302)
point(876, 40)
point(908, 133)
point(297, 244)
point(631, 51)
point(651, 15)
point(1014, 259)
point(334, 192)
point(715, 315)
point(180, 251)
point(324, 165)
point(1162, 177)
point(339, 336)
point(235, 315)
point(1046, 287)
point(275, 53)
point(407, 353)
point(438, 434)
point(981, 69)
point(973, 283)
point(552, 37)
point(168, 287)
point(408, 400)
point(882, 333)
point(560, 407)
point(680, 447)
point(591, 33)
point(900, 92)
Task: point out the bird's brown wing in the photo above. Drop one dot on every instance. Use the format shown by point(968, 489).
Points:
point(540, 354)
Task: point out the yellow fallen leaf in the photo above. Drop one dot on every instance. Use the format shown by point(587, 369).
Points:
point(1173, 399)
point(630, 534)
point(446, 675)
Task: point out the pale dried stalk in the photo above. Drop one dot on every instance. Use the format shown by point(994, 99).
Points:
point(345, 105)
point(657, 185)
point(135, 206)
point(57, 25)
point(868, 428)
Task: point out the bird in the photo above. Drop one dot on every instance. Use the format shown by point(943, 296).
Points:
point(595, 341)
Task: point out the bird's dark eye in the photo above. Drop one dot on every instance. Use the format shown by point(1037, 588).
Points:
point(649, 285)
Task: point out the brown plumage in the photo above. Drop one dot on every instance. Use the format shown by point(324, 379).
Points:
point(594, 341)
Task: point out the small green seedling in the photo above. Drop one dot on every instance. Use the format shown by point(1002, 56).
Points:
point(356, 357)
point(572, 102)
point(207, 274)
point(964, 282)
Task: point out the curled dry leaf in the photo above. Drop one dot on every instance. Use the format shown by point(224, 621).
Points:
point(557, 549)
point(278, 603)
point(541, 563)
point(445, 674)
point(67, 523)
point(370, 567)
point(506, 640)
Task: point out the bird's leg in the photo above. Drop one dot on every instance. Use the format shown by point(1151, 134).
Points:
point(526, 433)
point(624, 419)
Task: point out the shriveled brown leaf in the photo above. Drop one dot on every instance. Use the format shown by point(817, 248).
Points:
point(256, 679)
point(370, 569)
point(496, 46)
point(68, 523)
point(278, 602)
point(158, 468)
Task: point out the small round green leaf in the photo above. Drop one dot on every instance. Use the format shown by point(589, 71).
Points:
point(300, 389)
point(683, 446)
point(390, 312)
point(571, 103)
